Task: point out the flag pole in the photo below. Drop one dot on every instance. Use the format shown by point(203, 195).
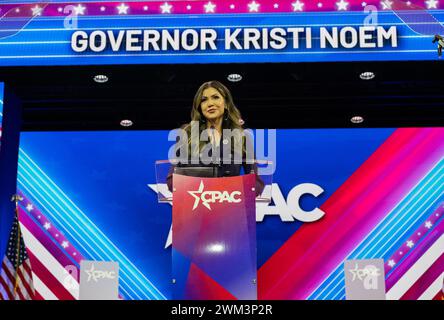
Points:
point(16, 198)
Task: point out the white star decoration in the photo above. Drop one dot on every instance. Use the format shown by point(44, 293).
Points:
point(297, 6)
point(253, 6)
point(166, 8)
point(428, 224)
point(386, 5)
point(47, 226)
point(342, 5)
point(432, 4)
point(410, 244)
point(79, 10)
point(36, 11)
point(391, 263)
point(123, 9)
point(29, 207)
point(276, 6)
point(197, 199)
point(209, 7)
point(102, 9)
point(320, 5)
point(364, 4)
point(65, 244)
point(232, 6)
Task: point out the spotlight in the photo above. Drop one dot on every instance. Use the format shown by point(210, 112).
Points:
point(367, 75)
point(234, 77)
point(126, 123)
point(357, 119)
point(100, 78)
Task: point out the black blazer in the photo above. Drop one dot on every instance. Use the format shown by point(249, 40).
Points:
point(222, 168)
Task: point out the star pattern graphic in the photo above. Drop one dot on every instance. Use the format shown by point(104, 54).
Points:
point(79, 10)
point(185, 7)
point(122, 9)
point(65, 244)
point(428, 224)
point(36, 11)
point(342, 5)
point(209, 7)
point(253, 6)
point(391, 263)
point(166, 8)
point(29, 207)
point(432, 4)
point(386, 4)
point(47, 225)
point(297, 6)
point(410, 244)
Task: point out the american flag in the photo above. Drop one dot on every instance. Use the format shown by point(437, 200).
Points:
point(16, 276)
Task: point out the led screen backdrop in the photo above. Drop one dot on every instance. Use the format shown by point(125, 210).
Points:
point(91, 195)
point(1, 110)
point(158, 32)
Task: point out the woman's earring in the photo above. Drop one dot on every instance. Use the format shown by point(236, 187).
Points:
point(226, 116)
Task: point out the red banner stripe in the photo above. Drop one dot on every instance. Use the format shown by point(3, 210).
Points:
point(26, 284)
point(5, 285)
point(48, 278)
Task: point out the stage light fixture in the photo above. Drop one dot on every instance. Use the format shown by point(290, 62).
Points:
point(100, 78)
point(126, 123)
point(367, 75)
point(234, 77)
point(357, 119)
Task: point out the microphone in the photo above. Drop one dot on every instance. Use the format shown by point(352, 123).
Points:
point(214, 146)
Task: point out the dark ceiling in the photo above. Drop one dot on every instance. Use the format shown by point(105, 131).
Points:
point(270, 95)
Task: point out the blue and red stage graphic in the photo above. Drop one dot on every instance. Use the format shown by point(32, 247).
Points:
point(1, 111)
point(214, 238)
point(162, 32)
point(92, 195)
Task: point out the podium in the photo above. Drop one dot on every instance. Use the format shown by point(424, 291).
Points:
point(213, 233)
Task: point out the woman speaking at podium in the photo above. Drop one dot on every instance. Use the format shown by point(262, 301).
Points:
point(215, 137)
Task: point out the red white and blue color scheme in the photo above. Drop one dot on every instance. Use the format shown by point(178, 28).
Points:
point(1, 110)
point(72, 33)
point(383, 198)
point(214, 238)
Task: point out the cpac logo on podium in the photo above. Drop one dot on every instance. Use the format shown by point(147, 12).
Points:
point(96, 275)
point(208, 197)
